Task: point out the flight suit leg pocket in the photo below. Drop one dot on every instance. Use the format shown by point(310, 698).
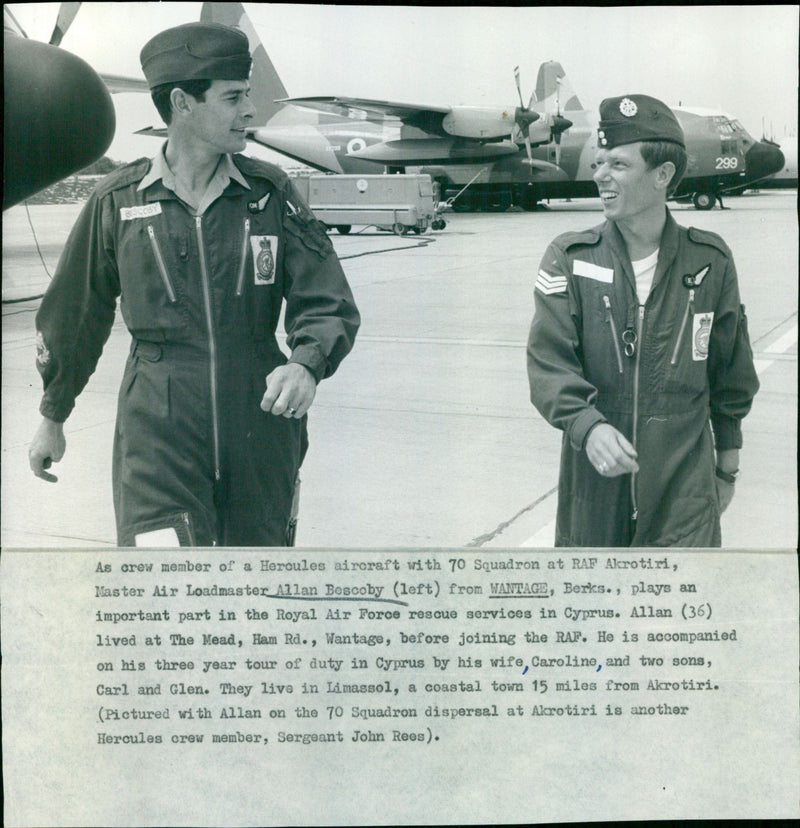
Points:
point(689, 521)
point(146, 389)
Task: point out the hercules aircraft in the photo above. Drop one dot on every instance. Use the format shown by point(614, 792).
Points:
point(513, 154)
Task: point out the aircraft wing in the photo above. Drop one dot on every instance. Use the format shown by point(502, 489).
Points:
point(121, 83)
point(154, 132)
point(362, 108)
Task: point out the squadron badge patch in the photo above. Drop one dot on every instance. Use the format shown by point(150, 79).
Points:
point(701, 333)
point(265, 252)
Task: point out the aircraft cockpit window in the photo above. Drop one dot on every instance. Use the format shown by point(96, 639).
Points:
point(724, 126)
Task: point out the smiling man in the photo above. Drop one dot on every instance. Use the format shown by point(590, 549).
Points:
point(638, 351)
point(205, 247)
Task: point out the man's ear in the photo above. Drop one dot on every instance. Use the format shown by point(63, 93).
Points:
point(180, 101)
point(665, 174)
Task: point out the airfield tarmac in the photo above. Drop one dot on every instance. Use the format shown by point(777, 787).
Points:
point(425, 437)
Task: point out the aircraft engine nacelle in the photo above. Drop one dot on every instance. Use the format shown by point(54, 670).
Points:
point(59, 116)
point(479, 123)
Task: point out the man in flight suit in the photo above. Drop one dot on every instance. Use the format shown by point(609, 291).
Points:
point(203, 245)
point(638, 351)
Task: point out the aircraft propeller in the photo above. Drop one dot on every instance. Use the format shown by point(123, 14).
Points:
point(560, 124)
point(523, 118)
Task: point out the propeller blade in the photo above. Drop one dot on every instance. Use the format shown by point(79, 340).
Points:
point(519, 91)
point(528, 150)
point(66, 14)
point(11, 24)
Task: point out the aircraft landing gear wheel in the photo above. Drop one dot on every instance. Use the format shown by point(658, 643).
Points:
point(399, 229)
point(499, 203)
point(529, 204)
point(438, 224)
point(704, 201)
point(344, 229)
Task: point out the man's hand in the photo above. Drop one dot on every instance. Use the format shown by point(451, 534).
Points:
point(290, 391)
point(48, 446)
point(725, 492)
point(609, 452)
point(727, 461)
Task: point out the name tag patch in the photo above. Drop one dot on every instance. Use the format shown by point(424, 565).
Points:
point(140, 211)
point(265, 252)
point(593, 271)
point(701, 332)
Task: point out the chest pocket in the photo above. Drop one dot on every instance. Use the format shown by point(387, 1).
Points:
point(152, 270)
point(689, 347)
point(604, 311)
point(259, 275)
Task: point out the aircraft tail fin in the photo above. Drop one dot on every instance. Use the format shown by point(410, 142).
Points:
point(266, 85)
point(551, 76)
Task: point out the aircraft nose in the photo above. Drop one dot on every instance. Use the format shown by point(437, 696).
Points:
point(763, 158)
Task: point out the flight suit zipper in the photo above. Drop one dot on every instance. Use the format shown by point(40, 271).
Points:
point(634, 436)
point(212, 344)
point(243, 260)
point(689, 310)
point(610, 320)
point(162, 267)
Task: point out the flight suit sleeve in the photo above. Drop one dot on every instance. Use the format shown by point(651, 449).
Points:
point(732, 377)
point(77, 311)
point(321, 315)
point(558, 387)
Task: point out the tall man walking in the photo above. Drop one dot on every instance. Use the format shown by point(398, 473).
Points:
point(204, 246)
point(639, 352)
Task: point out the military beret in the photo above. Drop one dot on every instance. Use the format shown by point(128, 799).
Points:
point(196, 51)
point(631, 118)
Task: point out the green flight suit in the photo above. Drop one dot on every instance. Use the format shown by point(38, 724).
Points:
point(201, 296)
point(664, 374)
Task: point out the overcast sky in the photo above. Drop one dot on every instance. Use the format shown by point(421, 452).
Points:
point(741, 59)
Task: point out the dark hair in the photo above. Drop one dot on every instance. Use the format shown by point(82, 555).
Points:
point(655, 153)
point(161, 94)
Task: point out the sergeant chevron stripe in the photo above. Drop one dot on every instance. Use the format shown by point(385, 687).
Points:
point(547, 284)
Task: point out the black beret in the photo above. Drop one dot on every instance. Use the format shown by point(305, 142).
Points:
point(631, 118)
point(196, 51)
